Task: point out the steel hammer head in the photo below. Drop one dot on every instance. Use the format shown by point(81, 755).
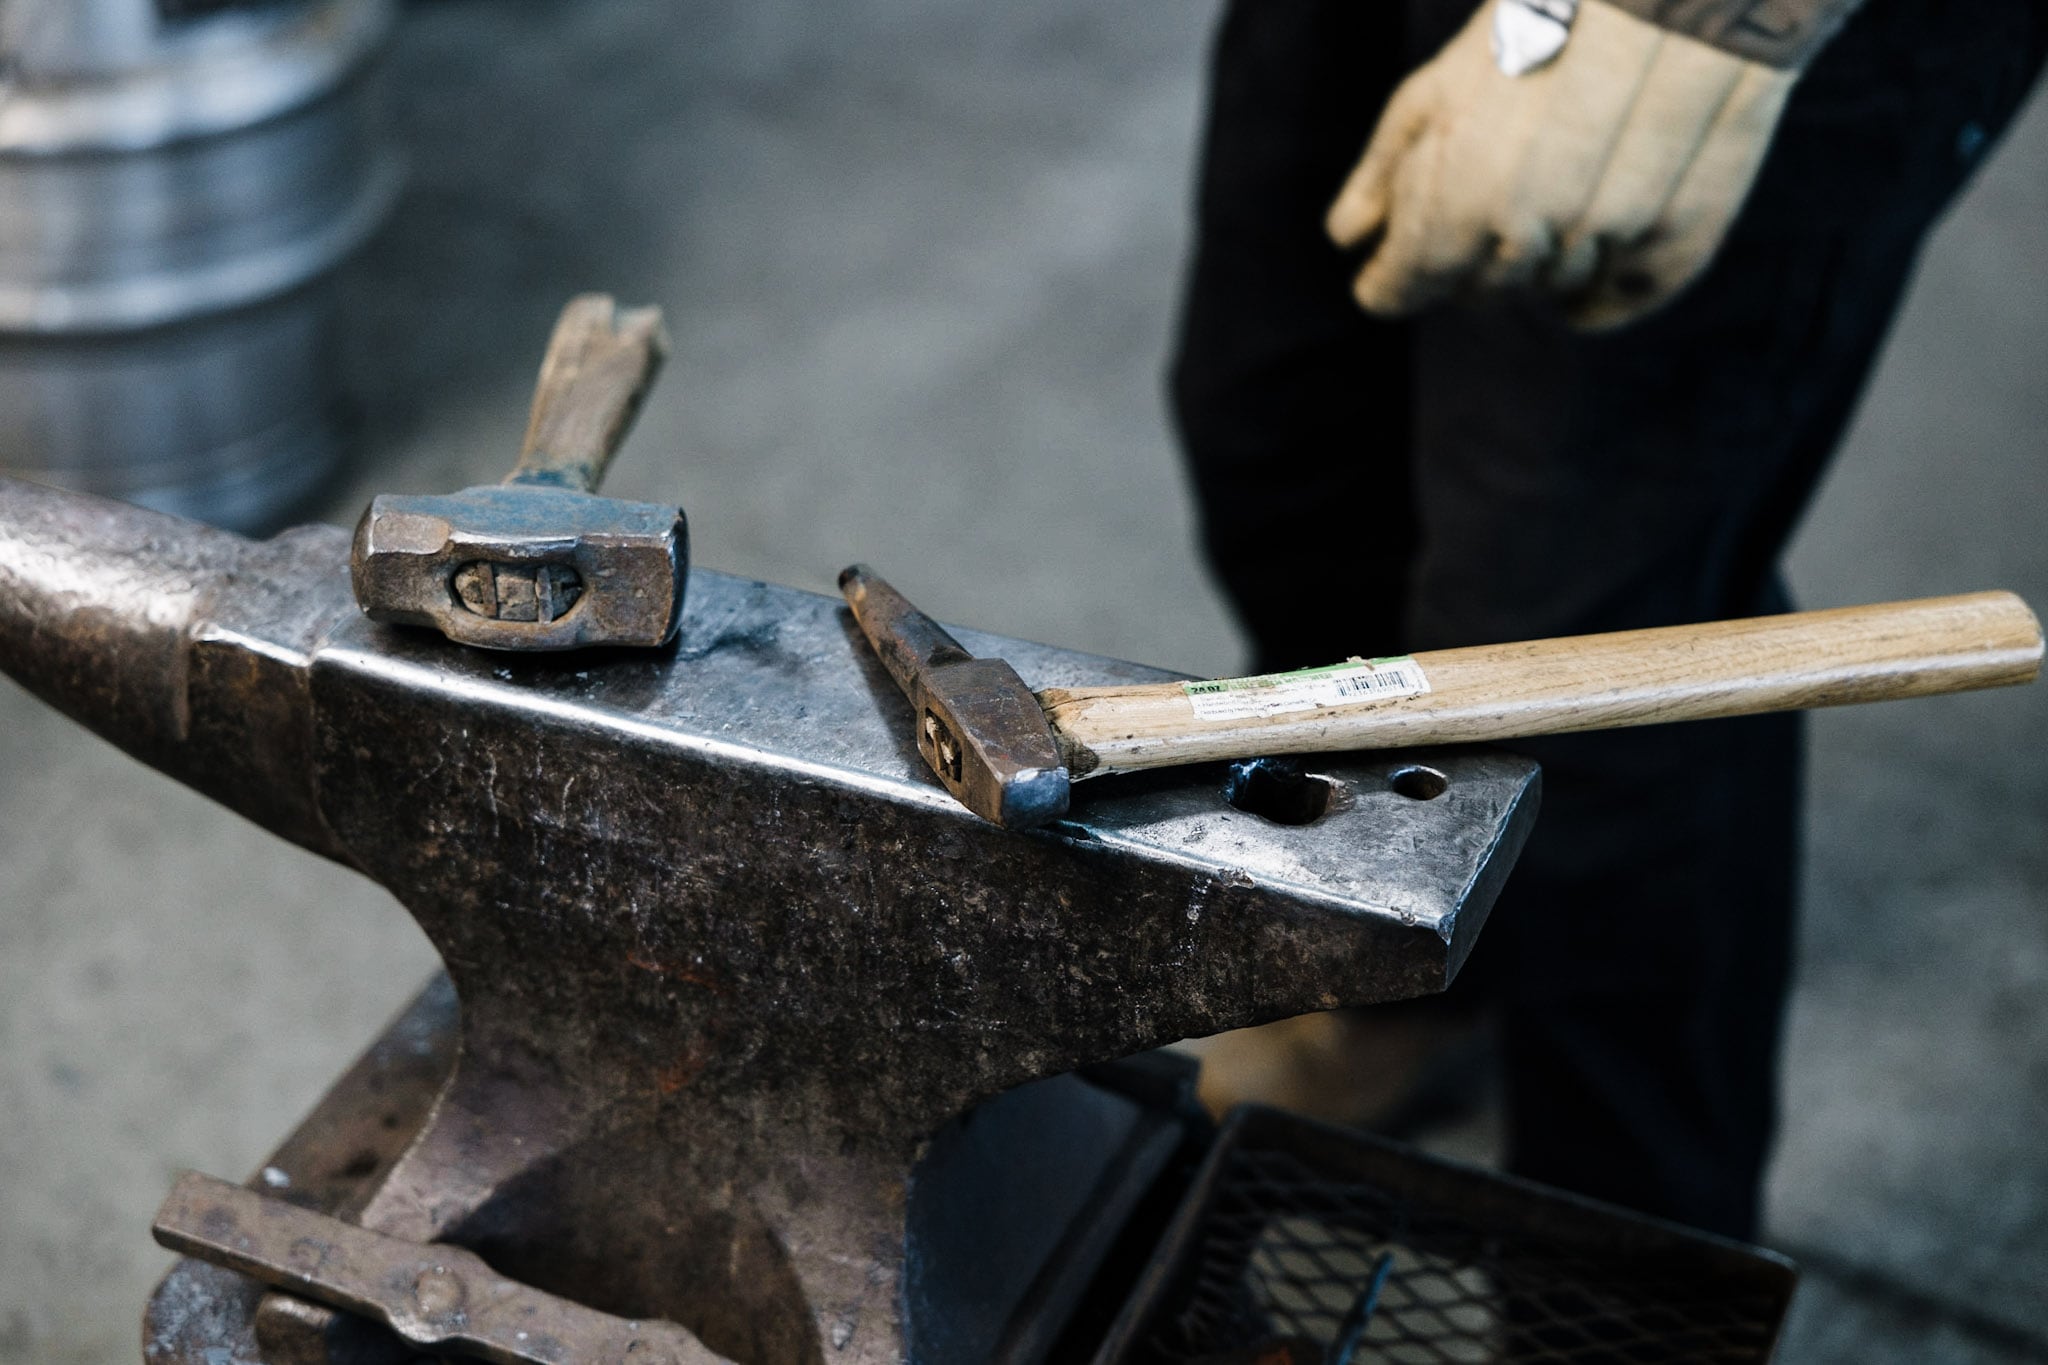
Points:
point(977, 724)
point(524, 566)
point(540, 562)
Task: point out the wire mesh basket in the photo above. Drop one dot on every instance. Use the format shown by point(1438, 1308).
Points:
point(1302, 1243)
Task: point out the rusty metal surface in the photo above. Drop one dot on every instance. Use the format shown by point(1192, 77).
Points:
point(1009, 1211)
point(436, 1297)
point(726, 954)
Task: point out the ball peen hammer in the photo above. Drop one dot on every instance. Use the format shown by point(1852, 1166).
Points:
point(540, 562)
point(1010, 755)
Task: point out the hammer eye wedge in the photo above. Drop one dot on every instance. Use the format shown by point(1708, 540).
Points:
point(942, 751)
point(518, 592)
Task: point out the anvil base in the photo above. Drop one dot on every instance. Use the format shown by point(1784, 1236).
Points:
point(1014, 1207)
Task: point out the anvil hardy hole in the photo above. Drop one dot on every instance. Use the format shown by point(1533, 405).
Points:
point(1418, 783)
point(1277, 789)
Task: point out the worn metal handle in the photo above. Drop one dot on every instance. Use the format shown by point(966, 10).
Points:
point(600, 363)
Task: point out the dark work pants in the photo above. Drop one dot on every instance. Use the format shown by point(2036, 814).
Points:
point(1371, 487)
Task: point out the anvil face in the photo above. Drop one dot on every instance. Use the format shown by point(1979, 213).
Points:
point(750, 810)
point(726, 951)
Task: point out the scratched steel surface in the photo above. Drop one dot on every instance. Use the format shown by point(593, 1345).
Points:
point(775, 676)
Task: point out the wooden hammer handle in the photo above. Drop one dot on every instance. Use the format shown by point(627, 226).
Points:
point(1588, 682)
point(600, 364)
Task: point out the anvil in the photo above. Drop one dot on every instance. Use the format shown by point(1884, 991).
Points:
point(727, 956)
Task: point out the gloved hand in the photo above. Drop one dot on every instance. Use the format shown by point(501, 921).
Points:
point(1605, 179)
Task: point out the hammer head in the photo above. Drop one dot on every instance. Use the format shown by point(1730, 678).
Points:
point(524, 566)
point(977, 724)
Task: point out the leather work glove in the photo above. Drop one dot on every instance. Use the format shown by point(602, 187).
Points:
point(1603, 176)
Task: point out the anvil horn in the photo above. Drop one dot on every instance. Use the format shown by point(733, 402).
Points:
point(135, 624)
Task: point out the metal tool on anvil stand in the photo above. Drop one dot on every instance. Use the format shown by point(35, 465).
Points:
point(727, 958)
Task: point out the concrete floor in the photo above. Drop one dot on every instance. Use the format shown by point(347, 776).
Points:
point(919, 262)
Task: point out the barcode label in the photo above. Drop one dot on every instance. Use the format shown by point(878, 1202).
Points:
point(1275, 694)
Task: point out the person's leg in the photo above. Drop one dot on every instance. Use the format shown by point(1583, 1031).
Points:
point(1569, 483)
point(1291, 403)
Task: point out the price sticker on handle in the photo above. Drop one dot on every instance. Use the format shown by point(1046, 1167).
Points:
point(1308, 689)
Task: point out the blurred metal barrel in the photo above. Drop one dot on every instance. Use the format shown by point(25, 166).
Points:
point(178, 181)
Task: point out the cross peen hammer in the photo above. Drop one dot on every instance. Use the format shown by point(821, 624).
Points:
point(1010, 755)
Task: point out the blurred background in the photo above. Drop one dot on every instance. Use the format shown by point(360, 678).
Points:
point(919, 261)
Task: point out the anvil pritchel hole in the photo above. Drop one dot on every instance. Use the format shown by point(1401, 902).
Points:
point(1418, 783)
point(1277, 789)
